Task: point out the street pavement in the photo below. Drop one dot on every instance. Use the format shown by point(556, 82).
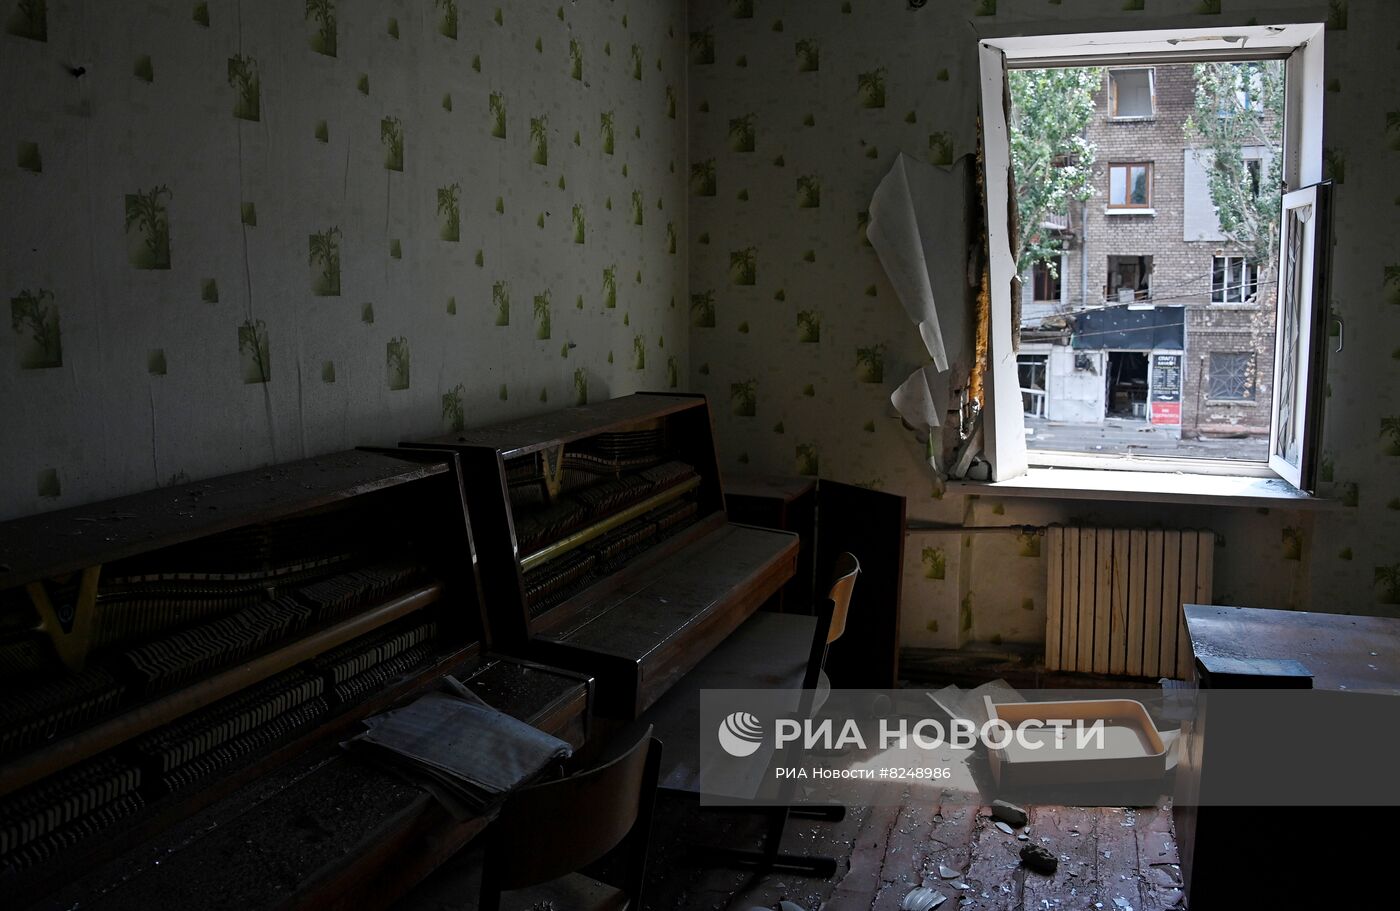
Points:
point(1137, 437)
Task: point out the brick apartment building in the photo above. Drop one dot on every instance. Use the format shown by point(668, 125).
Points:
point(1154, 315)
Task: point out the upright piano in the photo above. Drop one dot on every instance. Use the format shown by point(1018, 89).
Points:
point(178, 667)
point(604, 546)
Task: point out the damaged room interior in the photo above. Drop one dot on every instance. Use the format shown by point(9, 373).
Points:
point(805, 455)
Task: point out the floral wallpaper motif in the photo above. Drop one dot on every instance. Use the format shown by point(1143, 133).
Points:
point(797, 109)
point(245, 233)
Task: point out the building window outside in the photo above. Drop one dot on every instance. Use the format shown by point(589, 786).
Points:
point(1137, 245)
point(1129, 279)
point(1231, 376)
point(1045, 282)
point(1234, 281)
point(1130, 185)
point(1130, 93)
point(1254, 168)
point(1032, 369)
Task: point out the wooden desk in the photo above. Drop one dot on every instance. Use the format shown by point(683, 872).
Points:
point(1221, 846)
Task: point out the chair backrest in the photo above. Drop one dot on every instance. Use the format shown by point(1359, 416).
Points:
point(558, 827)
point(847, 568)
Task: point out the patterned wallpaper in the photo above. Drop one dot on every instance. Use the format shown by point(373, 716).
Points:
point(796, 111)
point(244, 232)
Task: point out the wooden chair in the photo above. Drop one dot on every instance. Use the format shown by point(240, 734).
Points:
point(546, 833)
point(831, 623)
point(842, 584)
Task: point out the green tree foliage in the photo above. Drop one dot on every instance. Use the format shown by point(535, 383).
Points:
point(1239, 105)
point(1051, 158)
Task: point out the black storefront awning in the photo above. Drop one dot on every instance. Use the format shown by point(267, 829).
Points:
point(1121, 328)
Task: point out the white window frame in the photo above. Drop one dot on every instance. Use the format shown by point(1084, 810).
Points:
point(1301, 46)
point(1246, 267)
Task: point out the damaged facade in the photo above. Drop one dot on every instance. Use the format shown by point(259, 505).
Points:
point(1148, 239)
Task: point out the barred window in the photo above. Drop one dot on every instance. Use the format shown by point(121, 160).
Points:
point(1231, 376)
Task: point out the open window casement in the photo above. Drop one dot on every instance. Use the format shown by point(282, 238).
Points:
point(1299, 352)
point(1300, 345)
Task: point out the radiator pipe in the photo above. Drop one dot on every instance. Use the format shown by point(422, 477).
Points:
point(925, 525)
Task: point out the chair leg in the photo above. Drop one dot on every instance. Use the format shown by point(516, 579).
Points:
point(770, 857)
point(830, 812)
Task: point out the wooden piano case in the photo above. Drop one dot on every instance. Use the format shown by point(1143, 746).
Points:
point(603, 542)
point(179, 665)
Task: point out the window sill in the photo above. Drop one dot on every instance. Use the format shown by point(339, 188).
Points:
point(1111, 210)
point(1216, 403)
point(1133, 118)
point(1146, 487)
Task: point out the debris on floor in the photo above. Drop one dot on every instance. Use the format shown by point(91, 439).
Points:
point(1009, 813)
point(1039, 859)
point(922, 898)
